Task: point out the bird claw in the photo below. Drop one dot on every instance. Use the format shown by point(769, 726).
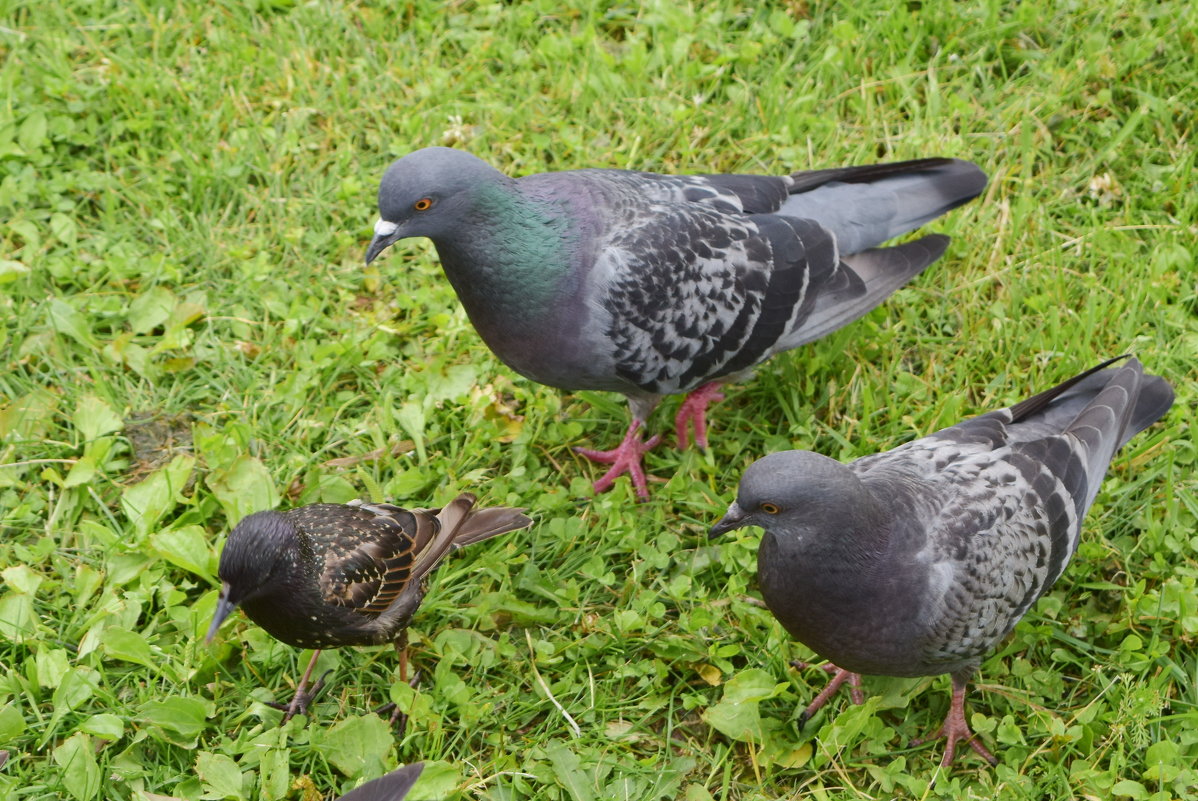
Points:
point(694, 410)
point(398, 718)
point(952, 735)
point(955, 729)
point(839, 677)
point(624, 459)
point(301, 700)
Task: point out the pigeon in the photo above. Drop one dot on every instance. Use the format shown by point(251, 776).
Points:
point(652, 285)
point(328, 575)
point(393, 786)
point(918, 561)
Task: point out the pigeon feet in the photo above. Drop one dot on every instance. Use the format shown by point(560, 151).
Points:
point(624, 459)
point(955, 729)
point(839, 677)
point(694, 409)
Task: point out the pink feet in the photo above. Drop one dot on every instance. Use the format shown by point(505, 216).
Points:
point(624, 459)
point(694, 408)
point(627, 457)
point(955, 729)
point(839, 677)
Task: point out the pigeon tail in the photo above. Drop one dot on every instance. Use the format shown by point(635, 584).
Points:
point(1128, 403)
point(865, 206)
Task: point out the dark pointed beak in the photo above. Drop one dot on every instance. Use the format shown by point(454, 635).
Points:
point(733, 519)
point(224, 607)
point(385, 235)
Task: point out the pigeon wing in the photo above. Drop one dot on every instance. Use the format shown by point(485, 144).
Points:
point(727, 194)
point(990, 529)
point(693, 294)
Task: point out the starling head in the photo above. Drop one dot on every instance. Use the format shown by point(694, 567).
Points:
point(260, 549)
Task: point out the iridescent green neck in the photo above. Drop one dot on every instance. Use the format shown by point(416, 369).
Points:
point(513, 252)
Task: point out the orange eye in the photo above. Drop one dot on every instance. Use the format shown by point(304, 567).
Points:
point(424, 204)
point(770, 508)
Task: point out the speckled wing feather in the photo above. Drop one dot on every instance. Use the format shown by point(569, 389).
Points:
point(727, 194)
point(700, 279)
point(366, 550)
point(993, 528)
point(695, 294)
point(997, 501)
point(743, 193)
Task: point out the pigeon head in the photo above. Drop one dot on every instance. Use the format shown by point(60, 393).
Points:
point(791, 491)
point(260, 546)
point(425, 193)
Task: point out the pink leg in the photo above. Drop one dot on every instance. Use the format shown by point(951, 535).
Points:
point(839, 677)
point(624, 459)
point(695, 408)
point(955, 728)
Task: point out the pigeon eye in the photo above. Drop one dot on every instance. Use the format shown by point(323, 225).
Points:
point(424, 204)
point(770, 508)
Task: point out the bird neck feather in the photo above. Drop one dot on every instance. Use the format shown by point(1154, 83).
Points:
point(512, 254)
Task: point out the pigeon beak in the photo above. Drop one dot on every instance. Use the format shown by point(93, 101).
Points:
point(385, 234)
point(224, 607)
point(733, 519)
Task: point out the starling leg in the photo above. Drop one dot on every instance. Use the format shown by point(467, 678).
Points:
point(839, 677)
point(398, 718)
point(401, 650)
point(301, 700)
point(694, 408)
point(955, 728)
point(624, 459)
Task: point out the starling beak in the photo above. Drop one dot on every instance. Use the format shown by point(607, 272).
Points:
point(223, 609)
point(392, 787)
point(329, 575)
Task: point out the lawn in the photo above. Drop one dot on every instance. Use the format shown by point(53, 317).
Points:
point(188, 334)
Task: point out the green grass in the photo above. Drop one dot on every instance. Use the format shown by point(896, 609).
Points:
point(187, 333)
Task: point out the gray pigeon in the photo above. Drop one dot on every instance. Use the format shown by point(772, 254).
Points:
point(393, 786)
point(653, 285)
point(919, 560)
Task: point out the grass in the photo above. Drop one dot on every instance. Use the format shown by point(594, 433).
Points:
point(187, 334)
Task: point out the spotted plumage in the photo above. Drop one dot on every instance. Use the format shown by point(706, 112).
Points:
point(920, 560)
point(330, 575)
point(653, 285)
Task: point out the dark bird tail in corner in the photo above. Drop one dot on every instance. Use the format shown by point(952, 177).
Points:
point(392, 787)
point(462, 525)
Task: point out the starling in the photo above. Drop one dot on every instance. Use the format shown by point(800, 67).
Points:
point(328, 575)
point(918, 561)
point(392, 787)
